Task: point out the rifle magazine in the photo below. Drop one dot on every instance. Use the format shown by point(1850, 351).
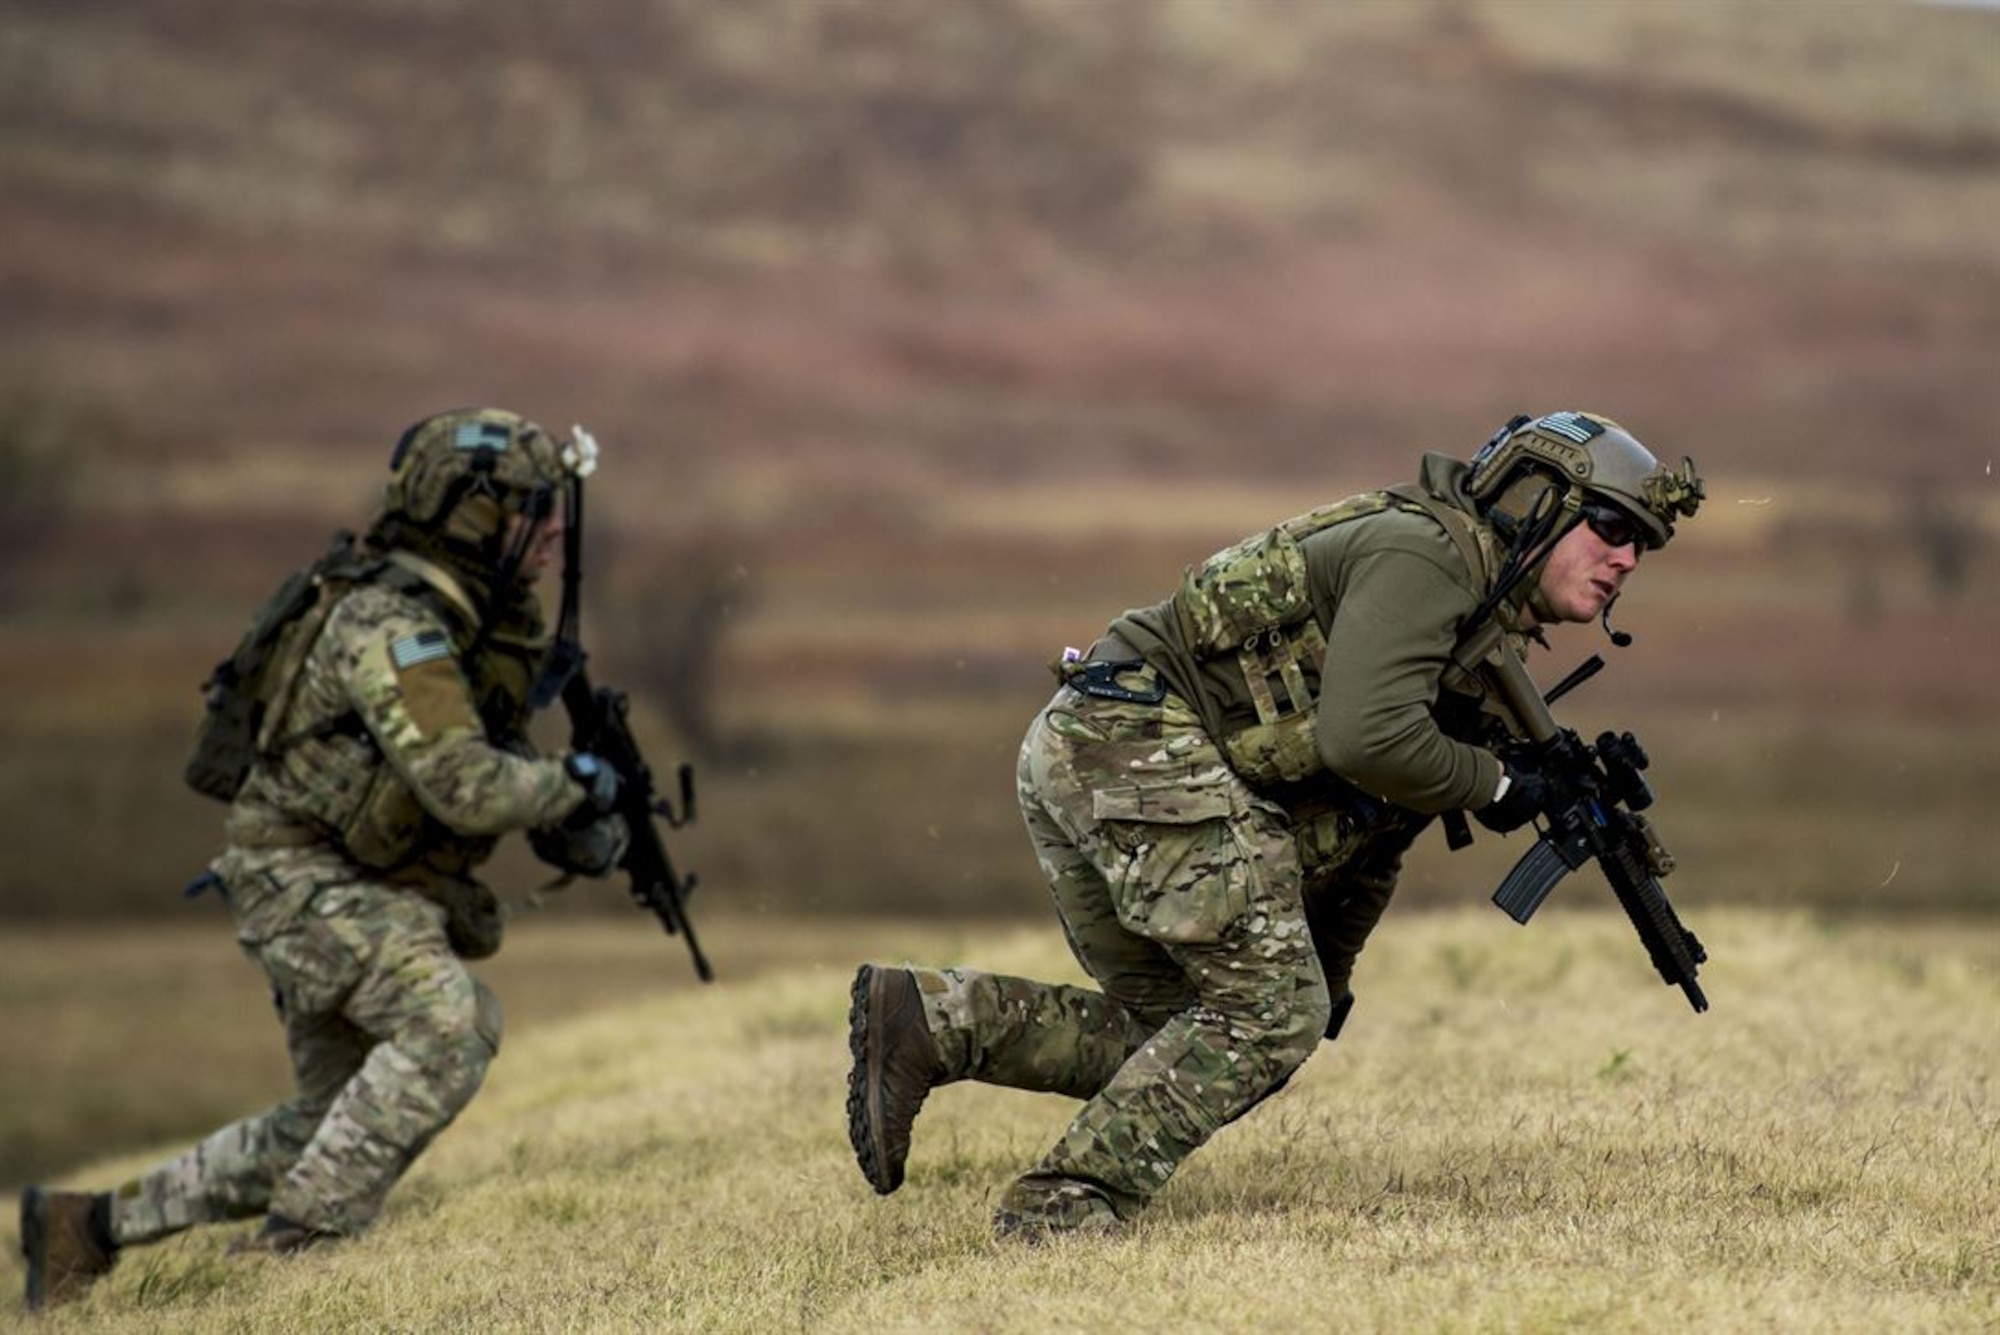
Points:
point(1531, 880)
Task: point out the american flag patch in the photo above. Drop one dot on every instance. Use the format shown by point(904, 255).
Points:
point(1570, 426)
point(426, 646)
point(481, 436)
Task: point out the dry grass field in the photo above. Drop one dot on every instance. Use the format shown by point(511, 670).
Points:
point(1521, 1131)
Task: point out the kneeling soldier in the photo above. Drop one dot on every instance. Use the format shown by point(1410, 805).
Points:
point(393, 755)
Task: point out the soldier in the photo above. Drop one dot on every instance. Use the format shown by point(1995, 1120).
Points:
point(395, 755)
point(1220, 795)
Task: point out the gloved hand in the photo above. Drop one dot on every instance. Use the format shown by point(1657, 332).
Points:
point(600, 785)
point(591, 849)
point(1526, 795)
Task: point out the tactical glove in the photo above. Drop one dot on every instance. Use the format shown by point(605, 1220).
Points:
point(600, 785)
point(1525, 795)
point(593, 849)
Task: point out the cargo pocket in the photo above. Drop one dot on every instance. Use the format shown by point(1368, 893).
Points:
point(1327, 841)
point(388, 825)
point(312, 966)
point(1177, 872)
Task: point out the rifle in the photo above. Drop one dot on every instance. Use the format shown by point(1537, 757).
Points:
point(1594, 816)
point(599, 722)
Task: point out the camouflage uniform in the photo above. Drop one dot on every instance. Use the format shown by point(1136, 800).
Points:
point(393, 757)
point(1220, 797)
point(388, 1032)
point(1184, 888)
point(1178, 889)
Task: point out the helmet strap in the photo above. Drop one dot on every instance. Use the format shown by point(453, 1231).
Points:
point(566, 655)
point(507, 570)
point(1556, 510)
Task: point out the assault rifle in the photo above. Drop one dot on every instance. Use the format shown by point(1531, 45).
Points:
point(1593, 815)
point(599, 724)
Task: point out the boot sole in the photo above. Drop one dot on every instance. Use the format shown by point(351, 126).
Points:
point(864, 1090)
point(34, 1242)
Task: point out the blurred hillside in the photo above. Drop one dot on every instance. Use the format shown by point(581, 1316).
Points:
point(923, 337)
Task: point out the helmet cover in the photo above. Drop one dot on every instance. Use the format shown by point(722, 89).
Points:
point(466, 471)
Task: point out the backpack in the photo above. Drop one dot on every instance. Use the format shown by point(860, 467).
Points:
point(251, 688)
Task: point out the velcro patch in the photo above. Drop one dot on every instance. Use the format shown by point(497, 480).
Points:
point(481, 436)
point(1574, 426)
point(426, 646)
point(436, 699)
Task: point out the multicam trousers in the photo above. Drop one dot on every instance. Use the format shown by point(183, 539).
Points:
point(389, 1037)
point(1179, 892)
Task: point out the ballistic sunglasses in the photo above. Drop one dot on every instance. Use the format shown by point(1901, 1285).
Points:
point(1616, 527)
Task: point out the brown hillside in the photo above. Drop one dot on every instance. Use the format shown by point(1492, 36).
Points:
point(923, 337)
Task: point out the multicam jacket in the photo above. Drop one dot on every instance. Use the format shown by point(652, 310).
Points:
point(389, 751)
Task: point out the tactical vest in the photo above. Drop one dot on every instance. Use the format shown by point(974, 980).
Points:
point(1252, 602)
point(369, 810)
point(389, 830)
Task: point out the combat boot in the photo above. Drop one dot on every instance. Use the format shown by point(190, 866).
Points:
point(281, 1237)
point(896, 1062)
point(66, 1240)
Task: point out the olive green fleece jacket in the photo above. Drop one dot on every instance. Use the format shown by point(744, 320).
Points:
point(1392, 593)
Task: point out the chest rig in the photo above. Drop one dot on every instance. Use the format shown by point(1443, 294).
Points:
point(1252, 603)
point(346, 789)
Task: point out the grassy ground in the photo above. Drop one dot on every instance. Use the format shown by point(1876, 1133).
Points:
point(114, 1037)
point(1521, 1131)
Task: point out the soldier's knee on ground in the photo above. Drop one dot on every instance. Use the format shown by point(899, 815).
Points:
point(1038, 1208)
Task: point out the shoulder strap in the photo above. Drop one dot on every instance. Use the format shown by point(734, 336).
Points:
point(347, 575)
point(411, 575)
point(1456, 526)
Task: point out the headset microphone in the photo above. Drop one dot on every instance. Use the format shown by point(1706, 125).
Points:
point(1618, 637)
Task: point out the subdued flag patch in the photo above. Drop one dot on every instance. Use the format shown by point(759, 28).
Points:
point(425, 646)
point(1574, 426)
point(436, 699)
point(482, 436)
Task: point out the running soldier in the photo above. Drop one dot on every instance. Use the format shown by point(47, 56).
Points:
point(1220, 795)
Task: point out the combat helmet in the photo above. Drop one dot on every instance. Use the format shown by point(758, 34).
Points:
point(1532, 464)
point(459, 475)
